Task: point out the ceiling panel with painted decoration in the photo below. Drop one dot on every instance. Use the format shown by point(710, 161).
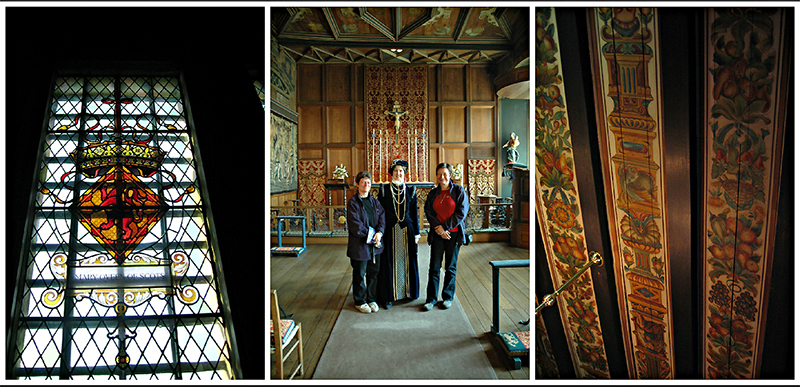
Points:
point(430, 35)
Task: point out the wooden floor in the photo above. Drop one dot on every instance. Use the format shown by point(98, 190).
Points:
point(313, 288)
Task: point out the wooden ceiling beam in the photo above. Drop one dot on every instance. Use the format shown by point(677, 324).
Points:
point(354, 54)
point(411, 45)
point(417, 23)
point(398, 32)
point(499, 56)
point(315, 50)
point(461, 23)
point(364, 56)
point(499, 12)
point(331, 22)
point(280, 20)
point(395, 15)
point(420, 56)
point(374, 22)
point(454, 57)
point(373, 55)
point(439, 53)
point(293, 53)
point(290, 50)
point(394, 55)
point(303, 54)
point(411, 57)
point(503, 23)
point(332, 54)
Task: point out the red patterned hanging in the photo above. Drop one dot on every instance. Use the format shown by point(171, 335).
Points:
point(396, 108)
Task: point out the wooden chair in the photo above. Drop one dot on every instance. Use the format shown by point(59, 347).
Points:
point(289, 332)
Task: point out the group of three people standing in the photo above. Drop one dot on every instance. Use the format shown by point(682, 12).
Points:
point(386, 270)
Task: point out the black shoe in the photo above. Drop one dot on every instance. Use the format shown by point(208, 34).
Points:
point(388, 305)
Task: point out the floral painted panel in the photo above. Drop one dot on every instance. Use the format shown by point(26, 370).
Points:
point(558, 208)
point(744, 140)
point(628, 93)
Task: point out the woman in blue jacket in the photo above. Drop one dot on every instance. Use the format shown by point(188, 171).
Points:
point(365, 224)
point(446, 209)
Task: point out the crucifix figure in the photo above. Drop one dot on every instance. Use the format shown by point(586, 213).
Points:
point(397, 114)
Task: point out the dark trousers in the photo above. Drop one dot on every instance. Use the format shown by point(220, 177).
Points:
point(446, 250)
point(365, 271)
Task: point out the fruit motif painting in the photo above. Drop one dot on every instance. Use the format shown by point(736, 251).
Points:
point(744, 141)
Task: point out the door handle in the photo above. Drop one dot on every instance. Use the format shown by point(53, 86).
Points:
point(594, 259)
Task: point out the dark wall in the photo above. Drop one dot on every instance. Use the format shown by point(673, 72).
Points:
point(682, 84)
point(216, 48)
point(779, 337)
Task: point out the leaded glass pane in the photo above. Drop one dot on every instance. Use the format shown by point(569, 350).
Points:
point(260, 90)
point(120, 281)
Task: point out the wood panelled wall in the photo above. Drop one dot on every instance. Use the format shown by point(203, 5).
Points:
point(283, 199)
point(462, 116)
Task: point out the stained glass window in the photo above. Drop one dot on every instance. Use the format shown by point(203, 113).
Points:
point(260, 90)
point(120, 280)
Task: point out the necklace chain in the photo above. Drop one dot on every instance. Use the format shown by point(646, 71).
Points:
point(444, 195)
point(399, 200)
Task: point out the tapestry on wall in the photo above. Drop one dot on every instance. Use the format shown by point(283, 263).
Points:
point(396, 109)
point(481, 178)
point(746, 82)
point(283, 77)
point(558, 209)
point(626, 64)
point(312, 180)
point(282, 155)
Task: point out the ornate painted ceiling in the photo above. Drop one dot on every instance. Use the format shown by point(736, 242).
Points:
point(423, 35)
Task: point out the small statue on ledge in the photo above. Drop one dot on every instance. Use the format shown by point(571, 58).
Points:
point(512, 145)
point(340, 172)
